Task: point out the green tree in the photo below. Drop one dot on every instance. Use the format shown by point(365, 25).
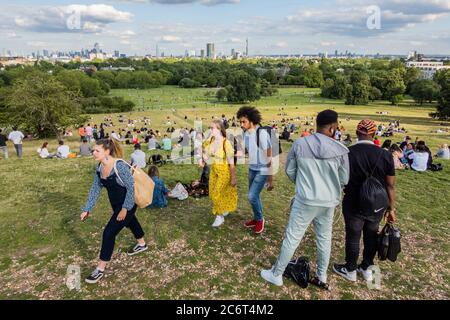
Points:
point(443, 79)
point(189, 83)
point(424, 90)
point(312, 77)
point(43, 105)
point(242, 87)
point(266, 89)
point(221, 94)
point(394, 86)
point(358, 89)
point(411, 75)
point(375, 94)
point(270, 76)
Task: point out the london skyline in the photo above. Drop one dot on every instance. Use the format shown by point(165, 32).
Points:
point(272, 27)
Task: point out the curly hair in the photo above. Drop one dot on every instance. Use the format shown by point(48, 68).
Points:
point(251, 113)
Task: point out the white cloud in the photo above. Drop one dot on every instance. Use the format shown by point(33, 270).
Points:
point(203, 2)
point(71, 18)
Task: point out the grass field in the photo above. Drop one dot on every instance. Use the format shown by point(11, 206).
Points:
point(41, 233)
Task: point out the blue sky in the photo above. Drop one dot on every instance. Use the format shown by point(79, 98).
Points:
point(272, 26)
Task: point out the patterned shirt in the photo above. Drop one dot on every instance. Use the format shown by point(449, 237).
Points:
point(128, 182)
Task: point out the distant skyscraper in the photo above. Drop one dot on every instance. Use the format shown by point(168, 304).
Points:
point(202, 53)
point(233, 52)
point(210, 51)
point(116, 54)
point(96, 48)
point(45, 53)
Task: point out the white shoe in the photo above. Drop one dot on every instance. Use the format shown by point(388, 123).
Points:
point(367, 274)
point(225, 214)
point(219, 220)
point(341, 270)
point(270, 277)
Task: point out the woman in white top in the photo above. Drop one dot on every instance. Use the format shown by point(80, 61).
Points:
point(43, 152)
point(419, 158)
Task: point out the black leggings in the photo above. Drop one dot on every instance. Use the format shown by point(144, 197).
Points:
point(113, 228)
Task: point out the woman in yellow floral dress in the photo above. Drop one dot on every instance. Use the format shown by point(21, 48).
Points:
point(219, 153)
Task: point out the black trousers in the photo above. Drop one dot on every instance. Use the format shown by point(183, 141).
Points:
point(113, 228)
point(355, 225)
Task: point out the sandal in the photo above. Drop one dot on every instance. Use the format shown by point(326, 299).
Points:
point(322, 285)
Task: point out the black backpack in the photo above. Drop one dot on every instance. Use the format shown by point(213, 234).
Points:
point(273, 137)
point(157, 160)
point(373, 197)
point(298, 270)
point(389, 243)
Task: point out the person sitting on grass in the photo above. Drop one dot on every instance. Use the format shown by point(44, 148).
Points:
point(85, 149)
point(419, 158)
point(160, 192)
point(63, 150)
point(443, 152)
point(43, 152)
point(397, 155)
point(386, 144)
point(138, 157)
point(167, 143)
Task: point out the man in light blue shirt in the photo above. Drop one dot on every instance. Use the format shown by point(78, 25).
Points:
point(260, 163)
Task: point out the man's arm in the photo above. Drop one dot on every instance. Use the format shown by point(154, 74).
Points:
point(390, 188)
point(291, 164)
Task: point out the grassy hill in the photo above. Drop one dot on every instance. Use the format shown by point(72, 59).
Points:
point(41, 233)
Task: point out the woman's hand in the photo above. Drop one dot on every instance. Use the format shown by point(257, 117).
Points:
point(233, 181)
point(122, 214)
point(84, 215)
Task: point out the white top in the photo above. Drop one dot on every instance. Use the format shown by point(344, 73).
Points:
point(138, 159)
point(420, 161)
point(43, 152)
point(63, 151)
point(16, 137)
point(115, 136)
point(152, 144)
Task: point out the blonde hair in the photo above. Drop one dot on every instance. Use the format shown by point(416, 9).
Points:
point(115, 149)
point(221, 128)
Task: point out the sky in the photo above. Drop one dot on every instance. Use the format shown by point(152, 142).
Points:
point(272, 26)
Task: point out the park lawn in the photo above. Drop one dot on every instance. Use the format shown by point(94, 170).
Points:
point(41, 233)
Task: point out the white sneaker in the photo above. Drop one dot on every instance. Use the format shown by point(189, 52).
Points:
point(219, 220)
point(341, 270)
point(270, 277)
point(367, 274)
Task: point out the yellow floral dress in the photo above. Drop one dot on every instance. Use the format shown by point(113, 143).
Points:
point(223, 196)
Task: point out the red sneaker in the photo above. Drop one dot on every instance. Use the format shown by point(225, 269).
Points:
point(259, 228)
point(250, 223)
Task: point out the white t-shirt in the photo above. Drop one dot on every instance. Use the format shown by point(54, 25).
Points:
point(138, 159)
point(420, 161)
point(16, 137)
point(63, 151)
point(257, 157)
point(43, 152)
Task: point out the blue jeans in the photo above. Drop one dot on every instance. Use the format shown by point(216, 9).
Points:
point(256, 182)
point(18, 148)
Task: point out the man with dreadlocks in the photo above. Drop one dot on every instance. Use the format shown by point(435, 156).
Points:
point(365, 158)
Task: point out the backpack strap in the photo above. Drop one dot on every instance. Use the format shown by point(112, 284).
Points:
point(117, 171)
point(375, 166)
